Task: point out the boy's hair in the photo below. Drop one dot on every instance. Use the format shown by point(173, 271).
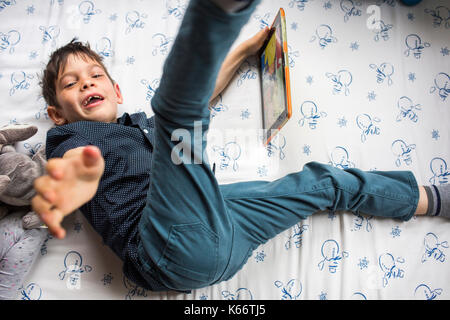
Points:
point(58, 61)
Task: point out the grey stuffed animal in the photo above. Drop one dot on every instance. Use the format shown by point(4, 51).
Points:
point(21, 232)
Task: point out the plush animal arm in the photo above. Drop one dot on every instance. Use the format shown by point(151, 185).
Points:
point(16, 132)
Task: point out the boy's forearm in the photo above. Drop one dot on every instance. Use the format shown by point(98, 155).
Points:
point(229, 67)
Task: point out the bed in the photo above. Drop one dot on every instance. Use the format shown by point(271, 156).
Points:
point(370, 86)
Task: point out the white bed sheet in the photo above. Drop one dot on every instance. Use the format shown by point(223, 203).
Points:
point(362, 97)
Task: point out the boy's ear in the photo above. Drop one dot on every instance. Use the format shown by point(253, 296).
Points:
point(56, 115)
point(118, 93)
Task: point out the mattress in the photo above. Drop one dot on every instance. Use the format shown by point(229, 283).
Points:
point(370, 85)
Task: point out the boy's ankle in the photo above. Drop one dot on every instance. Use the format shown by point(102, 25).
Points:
point(438, 200)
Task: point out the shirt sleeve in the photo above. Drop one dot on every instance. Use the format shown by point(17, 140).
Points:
point(60, 140)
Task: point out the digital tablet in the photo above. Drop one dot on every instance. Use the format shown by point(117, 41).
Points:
point(275, 83)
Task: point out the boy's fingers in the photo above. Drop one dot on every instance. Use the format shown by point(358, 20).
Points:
point(257, 40)
point(263, 33)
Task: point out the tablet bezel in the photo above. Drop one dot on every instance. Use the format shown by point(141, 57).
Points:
point(269, 133)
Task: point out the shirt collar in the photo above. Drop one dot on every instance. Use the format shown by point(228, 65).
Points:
point(134, 120)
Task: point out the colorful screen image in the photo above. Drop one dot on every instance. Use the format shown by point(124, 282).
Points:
point(272, 73)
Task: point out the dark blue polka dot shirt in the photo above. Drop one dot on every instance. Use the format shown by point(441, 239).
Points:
point(115, 210)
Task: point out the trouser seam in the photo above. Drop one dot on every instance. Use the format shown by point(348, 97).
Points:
point(406, 199)
point(278, 195)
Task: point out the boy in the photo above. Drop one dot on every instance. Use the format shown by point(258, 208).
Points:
point(169, 221)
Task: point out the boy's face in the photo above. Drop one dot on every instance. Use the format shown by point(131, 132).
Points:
point(84, 92)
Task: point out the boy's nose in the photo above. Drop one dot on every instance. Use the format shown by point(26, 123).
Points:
point(87, 83)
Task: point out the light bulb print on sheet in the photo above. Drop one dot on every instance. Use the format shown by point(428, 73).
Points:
point(50, 34)
point(217, 106)
point(73, 268)
point(440, 15)
point(367, 125)
point(424, 292)
point(175, 9)
point(246, 72)
point(381, 30)
point(229, 155)
point(292, 56)
point(391, 268)
point(408, 110)
point(299, 4)
point(150, 87)
point(9, 40)
point(441, 85)
point(104, 47)
point(332, 256)
point(324, 36)
point(135, 20)
point(134, 291)
point(239, 294)
point(350, 9)
point(415, 46)
point(434, 248)
point(276, 147)
point(439, 169)
point(384, 72)
point(402, 152)
point(6, 3)
point(341, 81)
point(20, 81)
point(88, 10)
point(31, 292)
point(310, 114)
point(361, 222)
point(340, 158)
point(291, 290)
point(161, 44)
point(295, 237)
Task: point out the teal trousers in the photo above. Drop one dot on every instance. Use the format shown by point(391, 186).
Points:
point(194, 232)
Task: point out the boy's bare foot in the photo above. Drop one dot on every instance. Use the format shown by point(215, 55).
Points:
point(70, 182)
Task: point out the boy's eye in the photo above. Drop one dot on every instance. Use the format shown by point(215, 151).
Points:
point(69, 84)
point(97, 75)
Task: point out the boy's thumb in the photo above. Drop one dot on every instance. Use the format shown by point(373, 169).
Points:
point(91, 155)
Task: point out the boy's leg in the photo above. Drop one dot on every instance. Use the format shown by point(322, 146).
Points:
point(184, 229)
point(261, 210)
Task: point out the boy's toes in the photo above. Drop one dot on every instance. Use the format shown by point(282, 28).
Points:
point(91, 156)
point(55, 168)
point(49, 215)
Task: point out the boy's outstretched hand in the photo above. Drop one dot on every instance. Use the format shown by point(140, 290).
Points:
point(70, 182)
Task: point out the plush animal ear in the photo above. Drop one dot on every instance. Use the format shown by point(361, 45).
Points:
point(4, 182)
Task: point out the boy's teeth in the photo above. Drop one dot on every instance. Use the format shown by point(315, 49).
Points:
point(88, 100)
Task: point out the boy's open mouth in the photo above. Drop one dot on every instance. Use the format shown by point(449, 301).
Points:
point(92, 100)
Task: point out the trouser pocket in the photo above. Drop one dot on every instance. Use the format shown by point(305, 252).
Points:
point(190, 258)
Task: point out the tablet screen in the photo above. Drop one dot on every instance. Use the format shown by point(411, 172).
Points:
point(272, 72)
